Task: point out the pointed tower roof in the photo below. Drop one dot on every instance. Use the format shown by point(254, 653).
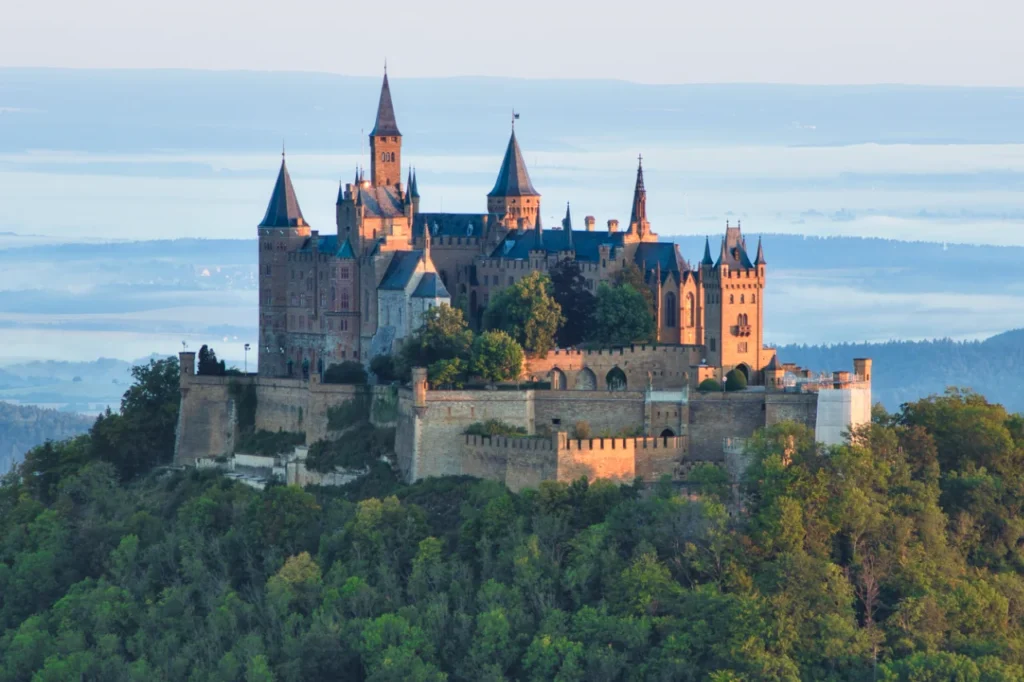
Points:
point(707, 253)
point(567, 220)
point(538, 231)
point(386, 123)
point(408, 189)
point(760, 254)
point(414, 187)
point(724, 255)
point(283, 209)
point(513, 180)
point(639, 213)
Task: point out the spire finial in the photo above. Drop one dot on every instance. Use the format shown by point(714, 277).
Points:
point(385, 66)
point(282, 149)
point(640, 160)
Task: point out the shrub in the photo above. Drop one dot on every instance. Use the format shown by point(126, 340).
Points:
point(735, 380)
point(269, 443)
point(348, 372)
point(581, 431)
point(709, 385)
point(245, 399)
point(450, 373)
point(360, 447)
point(385, 368)
point(496, 357)
point(494, 427)
point(348, 413)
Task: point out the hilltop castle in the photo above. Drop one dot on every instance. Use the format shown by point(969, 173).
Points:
point(324, 299)
point(352, 295)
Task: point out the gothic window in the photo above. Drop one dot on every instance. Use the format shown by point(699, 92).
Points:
point(711, 344)
point(670, 309)
point(266, 270)
point(344, 273)
point(742, 297)
point(753, 298)
point(732, 299)
point(511, 281)
point(294, 300)
point(741, 347)
point(344, 300)
point(690, 307)
point(323, 300)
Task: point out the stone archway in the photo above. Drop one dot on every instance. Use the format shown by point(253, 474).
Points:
point(586, 380)
point(615, 379)
point(558, 381)
point(668, 433)
point(742, 367)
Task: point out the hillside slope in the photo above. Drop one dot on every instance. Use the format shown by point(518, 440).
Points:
point(23, 427)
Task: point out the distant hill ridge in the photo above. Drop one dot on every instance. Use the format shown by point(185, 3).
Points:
point(23, 427)
point(908, 370)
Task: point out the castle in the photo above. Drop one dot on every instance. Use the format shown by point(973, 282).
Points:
point(325, 299)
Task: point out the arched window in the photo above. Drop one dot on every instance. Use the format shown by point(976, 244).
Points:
point(615, 379)
point(344, 300)
point(670, 309)
point(690, 306)
point(732, 299)
point(742, 298)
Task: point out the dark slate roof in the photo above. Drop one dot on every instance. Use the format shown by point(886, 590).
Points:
point(585, 244)
point(414, 187)
point(386, 123)
point(452, 224)
point(283, 209)
point(513, 180)
point(653, 254)
point(329, 244)
point(400, 270)
point(760, 254)
point(430, 286)
point(381, 202)
point(639, 211)
point(707, 253)
point(734, 257)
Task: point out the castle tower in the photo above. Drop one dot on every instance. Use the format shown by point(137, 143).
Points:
point(734, 307)
point(385, 142)
point(282, 230)
point(639, 227)
point(513, 194)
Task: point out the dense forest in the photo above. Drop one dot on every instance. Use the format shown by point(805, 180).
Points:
point(25, 426)
point(897, 557)
point(907, 370)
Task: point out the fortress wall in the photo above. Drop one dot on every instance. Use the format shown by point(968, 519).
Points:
point(517, 462)
point(620, 459)
point(603, 410)
point(673, 415)
point(657, 457)
point(443, 421)
point(281, 404)
point(838, 410)
point(322, 397)
point(716, 416)
point(407, 437)
point(667, 365)
point(206, 419)
point(797, 407)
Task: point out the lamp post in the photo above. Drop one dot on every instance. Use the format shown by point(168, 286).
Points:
point(246, 358)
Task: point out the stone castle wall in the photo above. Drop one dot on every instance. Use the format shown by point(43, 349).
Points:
point(206, 420)
point(610, 412)
point(668, 365)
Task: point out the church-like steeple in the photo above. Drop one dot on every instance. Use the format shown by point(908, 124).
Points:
point(408, 188)
point(538, 231)
point(385, 142)
point(760, 254)
point(567, 226)
point(414, 187)
point(386, 123)
point(707, 253)
point(283, 209)
point(639, 214)
point(513, 179)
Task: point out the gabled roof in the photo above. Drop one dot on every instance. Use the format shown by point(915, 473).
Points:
point(452, 224)
point(430, 286)
point(664, 254)
point(517, 246)
point(329, 244)
point(513, 180)
point(386, 123)
point(400, 270)
point(381, 201)
point(283, 209)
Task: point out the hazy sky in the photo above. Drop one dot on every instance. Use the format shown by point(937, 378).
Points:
point(965, 42)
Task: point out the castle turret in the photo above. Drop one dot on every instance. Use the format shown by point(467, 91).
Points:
point(385, 142)
point(282, 230)
point(513, 194)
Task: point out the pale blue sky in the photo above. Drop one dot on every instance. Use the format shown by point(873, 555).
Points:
point(956, 42)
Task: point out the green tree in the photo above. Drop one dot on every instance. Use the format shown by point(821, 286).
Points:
point(443, 335)
point(735, 380)
point(569, 289)
point(449, 373)
point(634, 277)
point(621, 317)
point(208, 363)
point(496, 357)
point(527, 312)
point(348, 372)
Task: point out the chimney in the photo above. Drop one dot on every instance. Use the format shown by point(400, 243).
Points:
point(613, 225)
point(589, 222)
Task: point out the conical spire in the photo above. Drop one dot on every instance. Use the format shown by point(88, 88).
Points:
point(707, 253)
point(567, 227)
point(356, 181)
point(760, 254)
point(283, 209)
point(414, 188)
point(408, 189)
point(386, 123)
point(724, 255)
point(639, 213)
point(513, 180)
point(538, 231)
